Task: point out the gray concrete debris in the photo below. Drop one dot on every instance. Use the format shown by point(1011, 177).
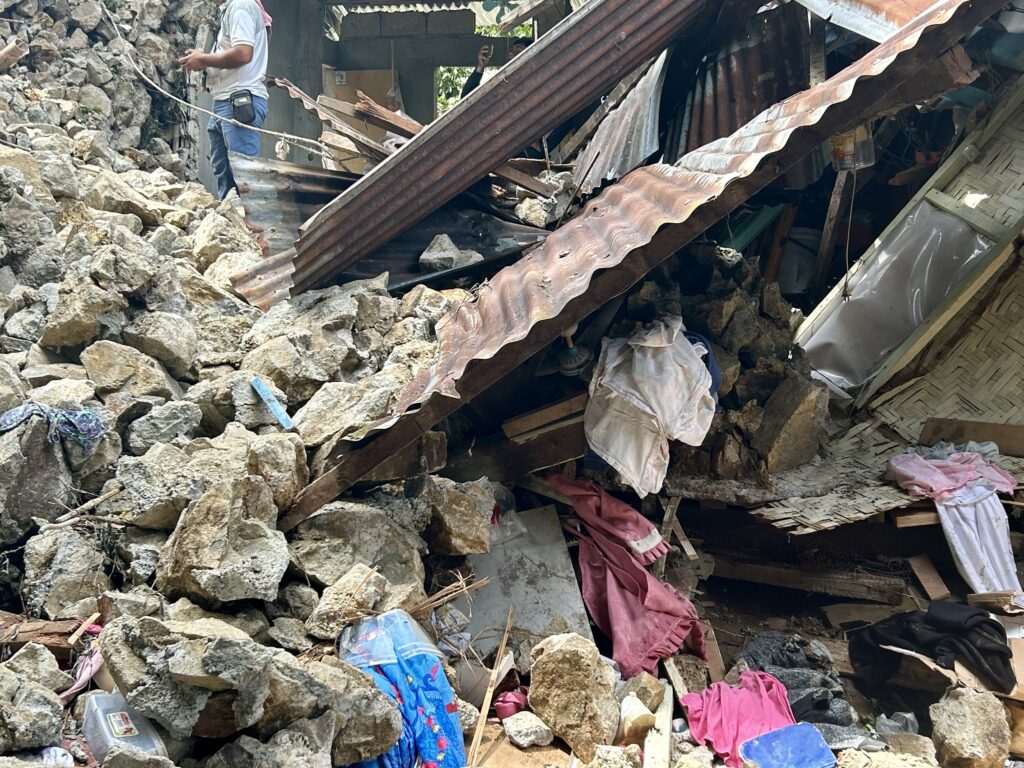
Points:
point(524, 729)
point(295, 601)
point(970, 729)
point(360, 592)
point(123, 757)
point(176, 422)
point(443, 254)
point(35, 480)
point(460, 522)
point(115, 367)
point(290, 634)
point(62, 568)
point(32, 714)
point(36, 663)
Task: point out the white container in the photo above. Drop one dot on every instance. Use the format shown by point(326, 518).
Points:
point(110, 722)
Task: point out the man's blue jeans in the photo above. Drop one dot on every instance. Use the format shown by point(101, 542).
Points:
point(225, 137)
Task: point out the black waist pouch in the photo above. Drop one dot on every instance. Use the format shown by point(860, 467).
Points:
point(242, 108)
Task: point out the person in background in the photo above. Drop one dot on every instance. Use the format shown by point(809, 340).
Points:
point(483, 60)
point(235, 72)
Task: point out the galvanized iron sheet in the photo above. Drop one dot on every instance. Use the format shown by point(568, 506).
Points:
point(874, 19)
point(578, 61)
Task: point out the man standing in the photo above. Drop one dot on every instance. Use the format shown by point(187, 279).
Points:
point(234, 74)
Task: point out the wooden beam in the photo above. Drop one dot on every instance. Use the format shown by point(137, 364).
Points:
point(778, 247)
point(1009, 437)
point(716, 664)
point(841, 194)
point(502, 459)
point(17, 631)
point(914, 518)
point(548, 414)
point(542, 487)
point(880, 589)
point(667, 526)
point(976, 220)
point(988, 266)
point(426, 456)
point(658, 744)
point(527, 11)
point(928, 577)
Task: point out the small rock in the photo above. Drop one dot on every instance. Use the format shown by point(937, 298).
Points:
point(573, 691)
point(349, 599)
point(853, 758)
point(970, 730)
point(647, 688)
point(617, 757)
point(126, 757)
point(469, 716)
point(524, 729)
point(443, 254)
point(166, 423)
point(424, 303)
point(35, 662)
point(912, 744)
point(31, 714)
point(116, 367)
point(87, 15)
point(294, 601)
point(458, 525)
point(290, 634)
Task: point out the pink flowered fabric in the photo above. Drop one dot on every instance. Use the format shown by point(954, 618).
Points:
point(938, 478)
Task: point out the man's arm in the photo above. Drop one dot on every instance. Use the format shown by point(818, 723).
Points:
point(472, 82)
point(233, 58)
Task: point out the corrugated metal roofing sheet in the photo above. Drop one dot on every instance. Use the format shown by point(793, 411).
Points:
point(578, 61)
point(615, 240)
point(402, 7)
point(874, 19)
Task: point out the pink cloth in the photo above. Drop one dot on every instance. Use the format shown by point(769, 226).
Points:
point(267, 20)
point(646, 619)
point(724, 717)
point(510, 703)
point(937, 478)
point(599, 510)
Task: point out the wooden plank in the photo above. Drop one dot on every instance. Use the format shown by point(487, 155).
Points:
point(684, 542)
point(778, 247)
point(1009, 437)
point(948, 171)
point(880, 589)
point(658, 744)
point(913, 519)
point(526, 11)
point(716, 664)
point(904, 354)
point(17, 631)
point(426, 456)
point(671, 508)
point(929, 578)
point(978, 221)
point(528, 422)
point(502, 459)
point(841, 194)
point(542, 487)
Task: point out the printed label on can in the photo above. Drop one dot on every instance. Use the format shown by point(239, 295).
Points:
point(121, 725)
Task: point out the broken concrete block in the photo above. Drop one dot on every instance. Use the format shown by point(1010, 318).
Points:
point(524, 729)
point(156, 488)
point(226, 546)
point(109, 193)
point(424, 303)
point(113, 367)
point(573, 691)
point(231, 398)
point(306, 743)
point(32, 714)
point(353, 596)
point(469, 716)
point(794, 425)
point(970, 730)
point(912, 744)
point(216, 236)
point(458, 525)
point(289, 362)
point(290, 634)
point(645, 687)
point(35, 480)
point(617, 757)
point(64, 393)
point(12, 387)
point(343, 534)
point(127, 268)
point(280, 459)
point(166, 337)
point(125, 757)
point(295, 601)
point(443, 254)
point(63, 567)
point(36, 663)
point(172, 422)
point(82, 313)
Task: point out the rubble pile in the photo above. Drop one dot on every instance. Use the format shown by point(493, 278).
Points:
point(772, 416)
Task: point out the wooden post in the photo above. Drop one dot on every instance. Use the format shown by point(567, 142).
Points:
point(840, 194)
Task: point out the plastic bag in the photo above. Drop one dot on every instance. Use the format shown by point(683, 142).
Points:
point(505, 526)
point(900, 722)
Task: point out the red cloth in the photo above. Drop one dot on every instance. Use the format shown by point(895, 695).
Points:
point(646, 619)
point(724, 717)
point(595, 507)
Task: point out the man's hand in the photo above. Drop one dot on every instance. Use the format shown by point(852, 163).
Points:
point(483, 59)
point(193, 61)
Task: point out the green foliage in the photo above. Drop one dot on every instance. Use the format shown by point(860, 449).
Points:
point(449, 80)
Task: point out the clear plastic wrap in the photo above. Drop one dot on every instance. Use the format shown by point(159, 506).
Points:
point(914, 270)
point(378, 640)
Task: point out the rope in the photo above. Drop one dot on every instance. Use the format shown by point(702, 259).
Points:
point(316, 146)
point(849, 228)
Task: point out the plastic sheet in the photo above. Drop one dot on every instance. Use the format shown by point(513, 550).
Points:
point(913, 271)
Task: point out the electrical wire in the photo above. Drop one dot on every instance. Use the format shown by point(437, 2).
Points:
point(311, 144)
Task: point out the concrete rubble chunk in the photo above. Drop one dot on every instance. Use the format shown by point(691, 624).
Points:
point(64, 393)
point(156, 488)
point(573, 691)
point(306, 743)
point(443, 254)
point(226, 546)
point(110, 193)
point(36, 663)
point(343, 534)
point(231, 398)
point(291, 364)
point(172, 422)
point(853, 758)
point(295, 600)
point(524, 729)
point(355, 595)
point(35, 480)
point(83, 311)
point(115, 367)
point(125, 757)
point(12, 387)
point(165, 337)
point(290, 634)
point(617, 757)
point(970, 730)
point(63, 567)
point(469, 716)
point(32, 714)
point(280, 459)
point(425, 304)
point(794, 425)
point(218, 235)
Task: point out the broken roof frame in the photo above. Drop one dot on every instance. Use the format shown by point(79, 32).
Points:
point(622, 234)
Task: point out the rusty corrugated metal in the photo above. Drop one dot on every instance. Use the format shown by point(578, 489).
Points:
point(579, 60)
point(615, 240)
point(874, 19)
point(627, 136)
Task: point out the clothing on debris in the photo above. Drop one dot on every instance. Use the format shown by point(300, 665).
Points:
point(404, 664)
point(947, 633)
point(81, 426)
point(724, 717)
point(937, 478)
point(646, 390)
